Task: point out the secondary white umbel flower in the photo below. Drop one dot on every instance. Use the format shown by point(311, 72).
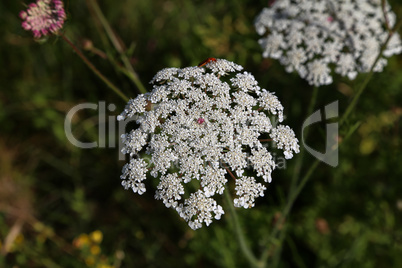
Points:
point(313, 36)
point(198, 126)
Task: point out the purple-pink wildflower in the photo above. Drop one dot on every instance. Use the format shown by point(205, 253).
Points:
point(200, 120)
point(43, 17)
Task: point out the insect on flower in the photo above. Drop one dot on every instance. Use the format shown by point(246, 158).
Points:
point(206, 61)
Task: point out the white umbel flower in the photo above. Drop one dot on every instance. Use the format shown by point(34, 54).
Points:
point(198, 131)
point(247, 189)
point(312, 36)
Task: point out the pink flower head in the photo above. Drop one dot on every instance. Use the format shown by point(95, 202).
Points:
point(200, 120)
point(43, 17)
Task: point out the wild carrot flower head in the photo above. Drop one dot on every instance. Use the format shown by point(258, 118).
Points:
point(313, 36)
point(43, 17)
point(202, 128)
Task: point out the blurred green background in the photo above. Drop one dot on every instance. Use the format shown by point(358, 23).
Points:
point(62, 206)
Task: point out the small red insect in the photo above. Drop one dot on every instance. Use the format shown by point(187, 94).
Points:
point(206, 61)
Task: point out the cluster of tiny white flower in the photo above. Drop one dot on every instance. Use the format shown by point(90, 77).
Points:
point(196, 126)
point(312, 36)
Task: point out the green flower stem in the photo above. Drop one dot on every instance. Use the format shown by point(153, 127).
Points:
point(383, 7)
point(239, 234)
point(300, 157)
point(106, 43)
point(288, 208)
point(279, 245)
point(294, 194)
point(95, 70)
point(119, 48)
point(296, 174)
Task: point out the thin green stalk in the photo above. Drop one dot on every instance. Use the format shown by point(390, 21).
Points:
point(294, 194)
point(116, 43)
point(288, 207)
point(239, 234)
point(296, 255)
point(106, 44)
point(300, 157)
point(95, 70)
point(298, 165)
point(297, 168)
point(278, 249)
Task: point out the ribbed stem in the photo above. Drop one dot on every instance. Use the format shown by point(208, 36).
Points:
point(117, 45)
point(95, 70)
point(297, 190)
point(240, 235)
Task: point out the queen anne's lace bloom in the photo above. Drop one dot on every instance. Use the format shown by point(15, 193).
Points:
point(198, 126)
point(311, 36)
point(43, 17)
